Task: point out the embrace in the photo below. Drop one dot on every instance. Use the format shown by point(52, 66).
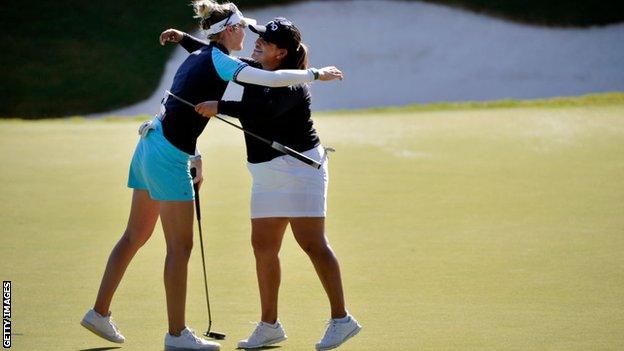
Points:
point(275, 105)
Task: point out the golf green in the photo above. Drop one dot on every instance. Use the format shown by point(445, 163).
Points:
point(473, 229)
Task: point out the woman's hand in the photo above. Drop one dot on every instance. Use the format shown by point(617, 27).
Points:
point(207, 108)
point(172, 35)
point(329, 73)
point(199, 178)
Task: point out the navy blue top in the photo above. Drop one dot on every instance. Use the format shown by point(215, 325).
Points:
point(278, 114)
point(203, 76)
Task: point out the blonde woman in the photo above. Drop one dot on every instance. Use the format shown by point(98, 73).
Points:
point(160, 175)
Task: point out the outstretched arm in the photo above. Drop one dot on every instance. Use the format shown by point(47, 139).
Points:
point(232, 69)
point(187, 41)
point(286, 77)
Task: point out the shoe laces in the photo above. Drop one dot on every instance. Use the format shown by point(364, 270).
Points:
point(257, 331)
point(331, 327)
point(111, 322)
point(195, 338)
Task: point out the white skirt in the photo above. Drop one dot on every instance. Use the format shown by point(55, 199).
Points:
point(287, 187)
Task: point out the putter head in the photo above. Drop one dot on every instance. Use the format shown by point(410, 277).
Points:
point(215, 335)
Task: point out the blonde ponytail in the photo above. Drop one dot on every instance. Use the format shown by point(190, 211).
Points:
point(210, 12)
point(204, 8)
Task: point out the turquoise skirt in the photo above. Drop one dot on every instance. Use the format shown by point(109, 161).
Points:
point(161, 168)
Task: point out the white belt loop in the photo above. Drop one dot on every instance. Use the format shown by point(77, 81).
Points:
point(163, 110)
point(161, 113)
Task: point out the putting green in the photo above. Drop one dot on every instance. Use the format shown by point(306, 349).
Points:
point(476, 229)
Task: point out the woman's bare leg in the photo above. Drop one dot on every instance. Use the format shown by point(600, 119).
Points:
point(266, 239)
point(143, 217)
point(177, 221)
point(310, 234)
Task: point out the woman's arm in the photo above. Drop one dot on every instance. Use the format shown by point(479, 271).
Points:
point(187, 41)
point(286, 77)
point(233, 69)
point(280, 103)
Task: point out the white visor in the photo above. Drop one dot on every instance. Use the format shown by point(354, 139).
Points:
point(236, 18)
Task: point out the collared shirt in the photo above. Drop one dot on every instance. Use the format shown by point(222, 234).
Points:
point(277, 114)
point(203, 76)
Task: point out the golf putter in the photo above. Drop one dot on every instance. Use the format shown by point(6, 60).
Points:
point(208, 333)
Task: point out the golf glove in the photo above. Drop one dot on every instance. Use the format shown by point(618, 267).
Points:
point(145, 128)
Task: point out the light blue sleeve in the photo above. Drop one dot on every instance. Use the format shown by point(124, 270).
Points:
point(227, 67)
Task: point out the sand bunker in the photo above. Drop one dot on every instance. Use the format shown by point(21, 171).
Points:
point(397, 53)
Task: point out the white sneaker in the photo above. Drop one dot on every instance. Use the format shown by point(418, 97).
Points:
point(263, 335)
point(337, 333)
point(102, 326)
point(188, 341)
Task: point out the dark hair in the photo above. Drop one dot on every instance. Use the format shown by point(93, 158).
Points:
point(297, 56)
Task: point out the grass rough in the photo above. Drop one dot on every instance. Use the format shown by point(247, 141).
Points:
point(488, 229)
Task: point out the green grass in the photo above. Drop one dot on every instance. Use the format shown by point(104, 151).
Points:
point(601, 99)
point(475, 229)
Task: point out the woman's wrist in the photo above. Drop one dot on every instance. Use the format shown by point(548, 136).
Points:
point(315, 72)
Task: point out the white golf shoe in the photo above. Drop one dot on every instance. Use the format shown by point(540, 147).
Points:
point(264, 335)
point(102, 326)
point(338, 332)
point(189, 341)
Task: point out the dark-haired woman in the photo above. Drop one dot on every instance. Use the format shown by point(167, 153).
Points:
point(285, 191)
point(159, 172)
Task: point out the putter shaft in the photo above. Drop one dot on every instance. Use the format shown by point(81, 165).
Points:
point(208, 333)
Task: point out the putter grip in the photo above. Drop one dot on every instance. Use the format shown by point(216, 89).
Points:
point(290, 152)
point(197, 207)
